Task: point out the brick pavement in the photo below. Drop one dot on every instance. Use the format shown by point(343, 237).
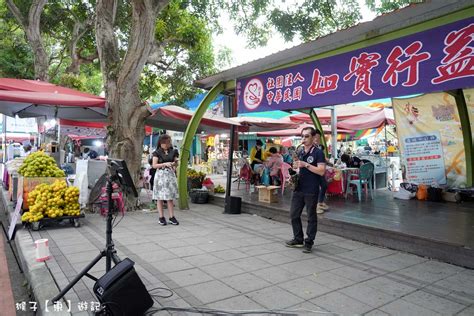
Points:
point(7, 302)
point(237, 262)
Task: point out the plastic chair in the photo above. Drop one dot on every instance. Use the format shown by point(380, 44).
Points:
point(284, 175)
point(365, 178)
point(245, 174)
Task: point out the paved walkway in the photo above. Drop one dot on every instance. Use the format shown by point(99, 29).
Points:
point(7, 303)
point(239, 262)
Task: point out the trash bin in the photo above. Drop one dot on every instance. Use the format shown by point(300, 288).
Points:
point(233, 205)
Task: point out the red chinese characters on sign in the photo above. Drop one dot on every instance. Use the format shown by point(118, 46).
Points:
point(423, 158)
point(270, 83)
point(411, 63)
point(270, 96)
point(297, 93)
point(298, 78)
point(287, 95)
point(288, 80)
point(278, 96)
point(459, 59)
point(361, 68)
point(322, 84)
point(279, 82)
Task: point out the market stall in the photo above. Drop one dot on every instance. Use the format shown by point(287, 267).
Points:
point(40, 184)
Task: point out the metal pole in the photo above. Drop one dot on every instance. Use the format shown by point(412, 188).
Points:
point(4, 138)
point(230, 104)
point(59, 133)
point(334, 132)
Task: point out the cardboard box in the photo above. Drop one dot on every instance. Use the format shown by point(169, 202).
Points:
point(266, 193)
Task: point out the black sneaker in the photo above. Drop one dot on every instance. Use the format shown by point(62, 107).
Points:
point(162, 221)
point(294, 244)
point(173, 221)
point(307, 248)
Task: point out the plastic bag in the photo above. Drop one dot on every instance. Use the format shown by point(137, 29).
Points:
point(266, 177)
point(403, 194)
point(81, 181)
point(208, 184)
point(422, 192)
point(435, 194)
point(411, 187)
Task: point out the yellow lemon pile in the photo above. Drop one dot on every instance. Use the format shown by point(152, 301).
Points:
point(39, 164)
point(52, 201)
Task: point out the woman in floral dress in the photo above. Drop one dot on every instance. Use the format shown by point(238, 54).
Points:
point(165, 186)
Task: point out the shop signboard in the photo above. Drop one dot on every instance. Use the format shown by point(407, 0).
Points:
point(438, 59)
point(21, 125)
point(424, 159)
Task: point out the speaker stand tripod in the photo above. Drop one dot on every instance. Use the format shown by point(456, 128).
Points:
point(109, 252)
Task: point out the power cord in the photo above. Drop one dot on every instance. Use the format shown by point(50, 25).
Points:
point(162, 289)
point(212, 311)
point(204, 310)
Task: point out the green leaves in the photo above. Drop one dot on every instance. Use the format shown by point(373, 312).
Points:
point(385, 6)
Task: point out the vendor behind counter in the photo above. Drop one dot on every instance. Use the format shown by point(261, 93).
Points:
point(353, 161)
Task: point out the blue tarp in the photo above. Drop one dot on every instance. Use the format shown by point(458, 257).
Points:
point(193, 103)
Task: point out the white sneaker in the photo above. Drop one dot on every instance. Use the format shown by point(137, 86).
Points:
point(319, 210)
point(323, 206)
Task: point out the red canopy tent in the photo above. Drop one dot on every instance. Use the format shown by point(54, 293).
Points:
point(257, 124)
point(297, 131)
point(176, 118)
point(379, 118)
point(41, 86)
point(30, 98)
point(342, 111)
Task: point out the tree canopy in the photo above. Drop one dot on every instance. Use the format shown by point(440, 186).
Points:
point(137, 50)
point(184, 26)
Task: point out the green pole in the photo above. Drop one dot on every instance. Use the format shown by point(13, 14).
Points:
point(466, 133)
point(318, 126)
point(187, 142)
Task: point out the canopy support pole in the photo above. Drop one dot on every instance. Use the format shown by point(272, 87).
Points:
point(229, 104)
point(333, 133)
point(187, 142)
point(4, 136)
point(318, 126)
point(466, 133)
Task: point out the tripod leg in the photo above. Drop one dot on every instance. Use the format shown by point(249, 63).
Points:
point(115, 258)
point(78, 277)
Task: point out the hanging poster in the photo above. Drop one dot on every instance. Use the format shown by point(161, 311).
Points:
point(433, 114)
point(469, 96)
point(424, 159)
point(22, 125)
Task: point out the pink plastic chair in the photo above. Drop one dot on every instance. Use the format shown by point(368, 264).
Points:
point(284, 176)
point(245, 174)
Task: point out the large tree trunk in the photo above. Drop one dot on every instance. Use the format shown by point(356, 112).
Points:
point(127, 113)
point(74, 67)
point(31, 27)
point(41, 59)
point(127, 130)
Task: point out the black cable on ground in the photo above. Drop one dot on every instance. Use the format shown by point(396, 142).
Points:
point(162, 289)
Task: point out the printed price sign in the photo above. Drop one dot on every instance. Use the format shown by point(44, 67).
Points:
point(424, 155)
point(14, 219)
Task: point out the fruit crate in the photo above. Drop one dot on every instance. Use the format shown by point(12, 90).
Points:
point(58, 221)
